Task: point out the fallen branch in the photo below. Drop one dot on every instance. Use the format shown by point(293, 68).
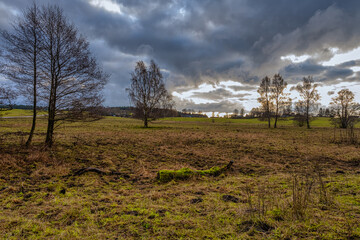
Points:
point(96, 170)
point(89, 169)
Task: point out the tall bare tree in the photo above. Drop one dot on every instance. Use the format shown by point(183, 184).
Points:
point(265, 98)
point(345, 108)
point(277, 94)
point(71, 78)
point(309, 95)
point(300, 113)
point(22, 47)
point(287, 107)
point(147, 91)
point(242, 112)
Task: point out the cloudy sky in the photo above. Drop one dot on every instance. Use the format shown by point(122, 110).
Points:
point(214, 53)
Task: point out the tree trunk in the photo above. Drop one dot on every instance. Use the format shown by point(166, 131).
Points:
point(49, 134)
point(346, 118)
point(307, 121)
point(145, 121)
point(268, 113)
point(276, 116)
point(50, 129)
point(28, 142)
point(51, 117)
point(307, 116)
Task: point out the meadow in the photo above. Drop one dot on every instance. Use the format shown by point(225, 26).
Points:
point(20, 113)
point(285, 183)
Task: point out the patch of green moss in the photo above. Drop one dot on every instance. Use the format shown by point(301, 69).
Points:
point(214, 171)
point(165, 176)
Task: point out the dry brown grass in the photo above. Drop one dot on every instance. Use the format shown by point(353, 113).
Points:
point(39, 198)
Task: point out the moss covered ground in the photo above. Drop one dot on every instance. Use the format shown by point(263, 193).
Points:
point(285, 183)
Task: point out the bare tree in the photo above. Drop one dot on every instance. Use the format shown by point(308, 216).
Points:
point(147, 91)
point(242, 112)
point(345, 108)
point(287, 107)
point(22, 47)
point(309, 95)
point(300, 113)
point(327, 112)
point(71, 78)
point(277, 94)
point(265, 98)
point(255, 112)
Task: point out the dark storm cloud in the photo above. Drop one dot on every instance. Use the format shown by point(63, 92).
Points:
point(308, 67)
point(352, 63)
point(209, 41)
point(243, 88)
point(335, 73)
point(325, 74)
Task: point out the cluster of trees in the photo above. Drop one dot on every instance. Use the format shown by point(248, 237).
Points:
point(272, 97)
point(238, 113)
point(50, 62)
point(274, 103)
point(326, 112)
point(346, 109)
point(190, 111)
point(309, 98)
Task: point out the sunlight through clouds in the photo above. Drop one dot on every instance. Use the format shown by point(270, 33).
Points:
point(295, 59)
point(343, 57)
point(108, 5)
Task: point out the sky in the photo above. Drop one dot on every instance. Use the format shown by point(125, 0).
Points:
point(213, 54)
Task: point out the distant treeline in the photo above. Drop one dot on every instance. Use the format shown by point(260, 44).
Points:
point(133, 112)
point(122, 111)
point(24, 107)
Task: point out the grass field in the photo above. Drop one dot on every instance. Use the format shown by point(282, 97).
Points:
point(317, 122)
point(285, 183)
point(19, 112)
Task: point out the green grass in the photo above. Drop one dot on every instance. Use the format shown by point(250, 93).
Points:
point(20, 112)
point(282, 122)
point(165, 176)
point(317, 122)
